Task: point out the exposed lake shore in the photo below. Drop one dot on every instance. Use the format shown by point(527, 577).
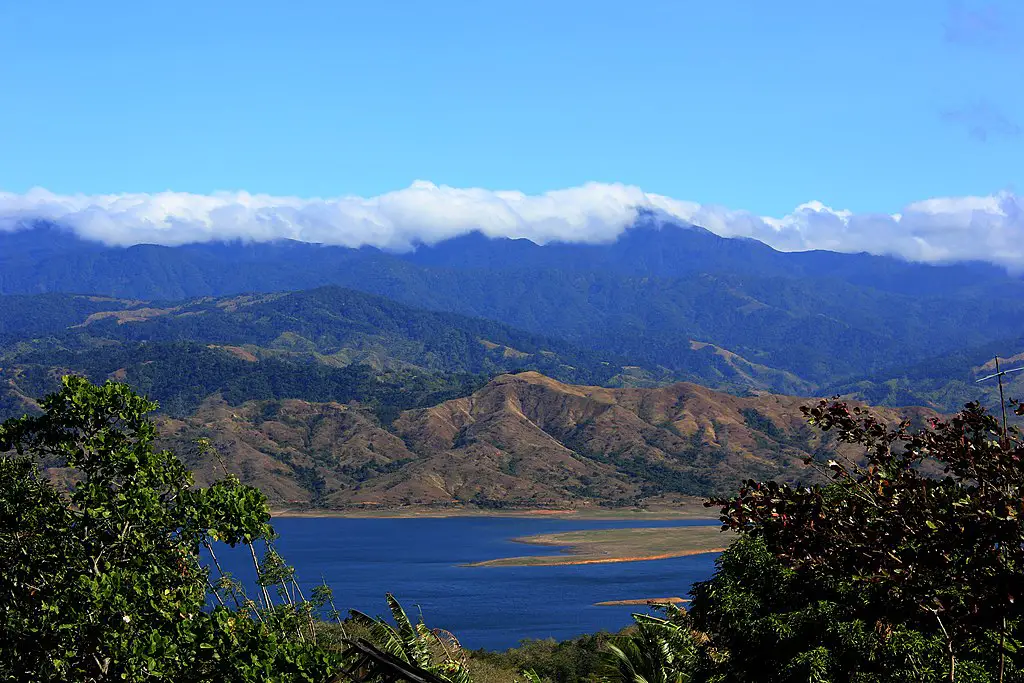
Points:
point(604, 546)
point(690, 509)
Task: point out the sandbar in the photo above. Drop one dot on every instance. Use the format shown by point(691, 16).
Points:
point(602, 546)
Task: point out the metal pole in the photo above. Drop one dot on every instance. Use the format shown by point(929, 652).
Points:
point(1002, 401)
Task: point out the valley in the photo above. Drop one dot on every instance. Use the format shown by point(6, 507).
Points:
point(511, 342)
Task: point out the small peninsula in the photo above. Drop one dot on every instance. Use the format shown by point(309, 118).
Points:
point(600, 546)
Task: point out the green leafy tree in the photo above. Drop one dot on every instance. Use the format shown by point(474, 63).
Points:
point(909, 565)
point(568, 661)
point(105, 582)
point(757, 619)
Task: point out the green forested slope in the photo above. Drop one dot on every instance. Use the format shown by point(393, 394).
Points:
point(328, 344)
point(809, 320)
point(947, 381)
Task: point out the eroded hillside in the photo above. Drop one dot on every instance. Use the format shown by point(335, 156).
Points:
point(522, 441)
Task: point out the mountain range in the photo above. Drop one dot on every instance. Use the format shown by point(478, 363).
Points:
point(324, 344)
point(499, 373)
point(677, 300)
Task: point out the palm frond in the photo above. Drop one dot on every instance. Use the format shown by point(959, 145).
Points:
point(660, 650)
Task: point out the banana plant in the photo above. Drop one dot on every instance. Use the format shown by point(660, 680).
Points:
point(659, 650)
point(434, 651)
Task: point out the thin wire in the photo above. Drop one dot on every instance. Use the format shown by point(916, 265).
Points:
point(998, 374)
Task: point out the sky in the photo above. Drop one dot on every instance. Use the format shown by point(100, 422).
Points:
point(746, 108)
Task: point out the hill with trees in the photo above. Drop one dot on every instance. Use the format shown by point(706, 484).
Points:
point(522, 441)
point(729, 313)
point(329, 344)
point(945, 382)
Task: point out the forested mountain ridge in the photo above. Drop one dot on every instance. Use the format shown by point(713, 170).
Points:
point(46, 257)
point(328, 344)
point(945, 382)
point(337, 398)
point(797, 322)
point(332, 398)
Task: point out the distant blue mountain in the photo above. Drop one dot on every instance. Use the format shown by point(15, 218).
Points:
point(655, 248)
point(732, 313)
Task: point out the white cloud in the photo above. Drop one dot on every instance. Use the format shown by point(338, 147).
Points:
point(935, 230)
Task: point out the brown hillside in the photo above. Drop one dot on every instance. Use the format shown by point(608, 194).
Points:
point(522, 441)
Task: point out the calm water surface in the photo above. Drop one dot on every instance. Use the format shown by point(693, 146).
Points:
point(491, 607)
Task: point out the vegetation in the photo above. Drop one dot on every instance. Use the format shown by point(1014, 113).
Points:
point(324, 344)
point(906, 565)
point(432, 651)
point(627, 450)
point(945, 382)
point(572, 661)
point(656, 650)
point(353, 446)
point(105, 583)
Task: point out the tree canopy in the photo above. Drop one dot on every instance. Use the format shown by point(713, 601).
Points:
point(907, 565)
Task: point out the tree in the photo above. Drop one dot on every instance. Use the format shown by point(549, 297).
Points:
point(921, 539)
point(758, 620)
point(105, 582)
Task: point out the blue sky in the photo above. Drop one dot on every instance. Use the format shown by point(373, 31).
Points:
point(753, 105)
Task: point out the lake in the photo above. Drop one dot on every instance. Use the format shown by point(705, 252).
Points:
point(485, 607)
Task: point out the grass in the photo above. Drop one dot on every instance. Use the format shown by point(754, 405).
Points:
point(618, 545)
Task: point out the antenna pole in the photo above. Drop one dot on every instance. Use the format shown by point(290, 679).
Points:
point(1002, 631)
point(1005, 444)
point(1002, 401)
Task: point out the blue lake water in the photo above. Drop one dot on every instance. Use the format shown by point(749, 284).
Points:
point(490, 607)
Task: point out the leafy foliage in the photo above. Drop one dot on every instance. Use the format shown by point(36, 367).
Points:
point(657, 650)
point(907, 566)
point(763, 621)
point(435, 651)
point(571, 661)
point(106, 583)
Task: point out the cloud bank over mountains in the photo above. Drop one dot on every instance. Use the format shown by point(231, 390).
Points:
point(989, 228)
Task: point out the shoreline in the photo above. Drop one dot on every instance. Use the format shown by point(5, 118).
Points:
point(561, 561)
point(662, 515)
point(645, 602)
